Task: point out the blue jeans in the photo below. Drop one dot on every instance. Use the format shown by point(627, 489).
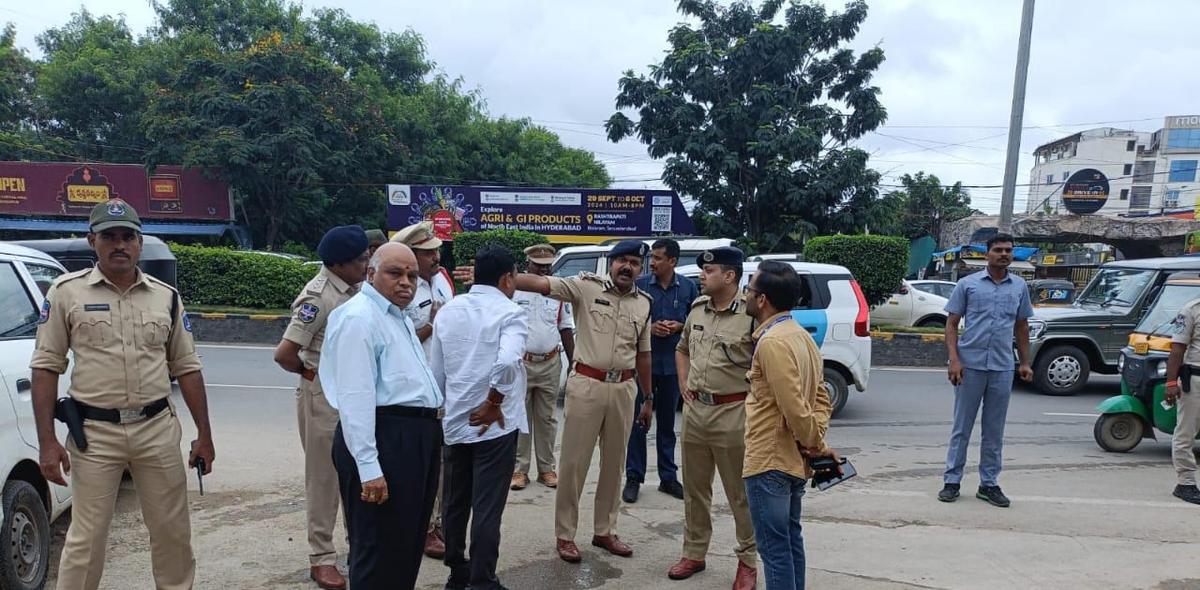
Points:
point(774, 498)
point(991, 389)
point(666, 398)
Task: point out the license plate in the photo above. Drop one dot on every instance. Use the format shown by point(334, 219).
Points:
point(1141, 347)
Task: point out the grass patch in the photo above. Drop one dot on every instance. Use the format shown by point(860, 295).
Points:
point(237, 310)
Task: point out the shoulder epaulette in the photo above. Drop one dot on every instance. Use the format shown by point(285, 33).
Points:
point(701, 300)
point(160, 282)
point(591, 276)
point(317, 285)
point(72, 276)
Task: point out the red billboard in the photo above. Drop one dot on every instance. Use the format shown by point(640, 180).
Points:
point(71, 189)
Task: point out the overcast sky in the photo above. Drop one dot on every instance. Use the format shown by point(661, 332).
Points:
point(946, 82)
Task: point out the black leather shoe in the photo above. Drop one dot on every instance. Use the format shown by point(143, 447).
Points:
point(1188, 494)
point(630, 493)
point(992, 495)
point(673, 488)
point(949, 493)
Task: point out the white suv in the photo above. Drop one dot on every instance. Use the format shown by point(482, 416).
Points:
point(28, 503)
point(573, 260)
point(837, 316)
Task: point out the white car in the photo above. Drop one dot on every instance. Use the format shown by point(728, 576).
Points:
point(911, 307)
point(573, 260)
point(935, 287)
point(835, 313)
point(28, 503)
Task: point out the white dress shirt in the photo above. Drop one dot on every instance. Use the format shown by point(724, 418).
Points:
point(478, 345)
point(371, 357)
point(439, 292)
point(547, 318)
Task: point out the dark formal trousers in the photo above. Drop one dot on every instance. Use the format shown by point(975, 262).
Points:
point(387, 540)
point(666, 399)
point(476, 476)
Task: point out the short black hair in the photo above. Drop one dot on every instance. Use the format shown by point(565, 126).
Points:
point(493, 262)
point(671, 246)
point(780, 284)
point(998, 238)
point(737, 271)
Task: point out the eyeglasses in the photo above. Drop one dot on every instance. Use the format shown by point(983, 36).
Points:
point(747, 289)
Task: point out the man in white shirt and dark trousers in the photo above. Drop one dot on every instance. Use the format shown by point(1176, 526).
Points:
point(388, 440)
point(551, 330)
point(477, 360)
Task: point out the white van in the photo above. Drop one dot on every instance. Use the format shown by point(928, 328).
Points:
point(573, 260)
point(28, 503)
point(835, 312)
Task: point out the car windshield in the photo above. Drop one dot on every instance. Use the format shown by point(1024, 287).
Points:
point(1115, 286)
point(1173, 298)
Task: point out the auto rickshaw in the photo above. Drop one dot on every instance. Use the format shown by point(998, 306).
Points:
point(1138, 412)
point(1051, 291)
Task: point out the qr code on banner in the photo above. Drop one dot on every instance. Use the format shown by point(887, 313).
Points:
point(660, 219)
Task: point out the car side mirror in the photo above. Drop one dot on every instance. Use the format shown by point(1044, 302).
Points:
point(903, 290)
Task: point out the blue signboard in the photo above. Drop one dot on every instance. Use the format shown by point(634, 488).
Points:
point(579, 215)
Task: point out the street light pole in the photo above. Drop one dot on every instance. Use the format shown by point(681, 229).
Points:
point(1016, 119)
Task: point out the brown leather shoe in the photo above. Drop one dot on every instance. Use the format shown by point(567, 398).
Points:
point(327, 577)
point(548, 479)
point(519, 481)
point(685, 569)
point(568, 551)
point(435, 547)
point(747, 577)
point(612, 544)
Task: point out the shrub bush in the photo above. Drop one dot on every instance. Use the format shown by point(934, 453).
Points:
point(878, 263)
point(467, 244)
point(227, 277)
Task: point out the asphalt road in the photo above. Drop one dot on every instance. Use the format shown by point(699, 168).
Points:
point(1081, 518)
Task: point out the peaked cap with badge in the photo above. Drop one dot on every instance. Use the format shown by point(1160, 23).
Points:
point(113, 213)
point(419, 236)
point(540, 254)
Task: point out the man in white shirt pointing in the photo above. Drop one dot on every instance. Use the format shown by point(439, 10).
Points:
point(477, 360)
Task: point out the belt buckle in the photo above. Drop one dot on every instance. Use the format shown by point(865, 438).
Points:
point(131, 415)
point(612, 376)
point(706, 398)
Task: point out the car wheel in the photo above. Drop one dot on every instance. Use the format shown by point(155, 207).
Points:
point(1118, 433)
point(24, 538)
point(1062, 370)
point(839, 392)
point(932, 323)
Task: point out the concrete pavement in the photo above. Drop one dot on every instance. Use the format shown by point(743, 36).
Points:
point(1081, 518)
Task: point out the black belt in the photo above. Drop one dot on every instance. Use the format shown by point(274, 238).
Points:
point(122, 416)
point(408, 411)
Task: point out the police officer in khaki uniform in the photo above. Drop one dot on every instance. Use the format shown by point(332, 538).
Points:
point(613, 347)
point(712, 358)
point(343, 251)
point(130, 336)
point(1185, 350)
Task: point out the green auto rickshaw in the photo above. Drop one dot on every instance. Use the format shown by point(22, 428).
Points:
point(1138, 412)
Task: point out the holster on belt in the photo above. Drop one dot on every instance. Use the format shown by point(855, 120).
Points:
point(1185, 378)
point(67, 412)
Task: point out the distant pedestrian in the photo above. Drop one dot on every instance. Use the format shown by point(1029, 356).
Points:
point(1185, 349)
point(995, 307)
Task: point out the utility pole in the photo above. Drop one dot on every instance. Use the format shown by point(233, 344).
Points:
point(1016, 119)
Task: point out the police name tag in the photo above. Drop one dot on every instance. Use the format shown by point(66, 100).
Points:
point(96, 307)
point(426, 303)
point(602, 302)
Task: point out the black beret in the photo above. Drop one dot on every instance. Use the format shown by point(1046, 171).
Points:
point(727, 255)
point(342, 244)
point(634, 247)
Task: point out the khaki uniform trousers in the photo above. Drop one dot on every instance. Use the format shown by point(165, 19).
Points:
point(593, 410)
point(1187, 423)
point(150, 450)
point(540, 402)
point(714, 439)
point(317, 421)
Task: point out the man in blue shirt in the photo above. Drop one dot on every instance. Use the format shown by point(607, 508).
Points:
point(672, 297)
point(388, 440)
point(996, 309)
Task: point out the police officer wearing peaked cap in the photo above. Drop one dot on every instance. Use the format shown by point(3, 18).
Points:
point(344, 252)
point(129, 336)
point(612, 347)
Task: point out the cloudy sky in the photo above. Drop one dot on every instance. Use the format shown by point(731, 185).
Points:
point(946, 82)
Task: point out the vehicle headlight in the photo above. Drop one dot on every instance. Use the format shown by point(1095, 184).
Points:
point(1121, 363)
point(1036, 329)
point(1161, 371)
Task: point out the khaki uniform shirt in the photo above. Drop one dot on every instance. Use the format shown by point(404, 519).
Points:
point(1183, 331)
point(718, 346)
point(127, 346)
point(788, 404)
point(611, 328)
point(310, 312)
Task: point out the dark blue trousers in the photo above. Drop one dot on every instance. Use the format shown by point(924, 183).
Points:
point(666, 399)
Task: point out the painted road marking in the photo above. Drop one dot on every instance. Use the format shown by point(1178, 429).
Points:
point(1036, 499)
point(909, 369)
point(1071, 414)
point(235, 347)
point(289, 388)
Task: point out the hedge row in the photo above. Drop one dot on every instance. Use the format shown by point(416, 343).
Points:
point(221, 276)
point(878, 263)
point(468, 243)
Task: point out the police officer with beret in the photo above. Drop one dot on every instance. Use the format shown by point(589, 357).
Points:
point(343, 252)
point(375, 239)
point(612, 347)
point(129, 337)
point(712, 358)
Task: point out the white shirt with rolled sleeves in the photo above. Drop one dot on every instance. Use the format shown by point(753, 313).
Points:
point(547, 318)
point(479, 344)
point(371, 357)
point(427, 295)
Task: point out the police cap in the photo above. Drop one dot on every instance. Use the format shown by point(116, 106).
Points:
point(540, 254)
point(376, 237)
point(629, 247)
point(113, 213)
point(726, 255)
point(342, 244)
point(419, 236)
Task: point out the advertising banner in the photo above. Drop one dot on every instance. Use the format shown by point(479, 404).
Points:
point(563, 215)
point(71, 189)
point(1085, 191)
